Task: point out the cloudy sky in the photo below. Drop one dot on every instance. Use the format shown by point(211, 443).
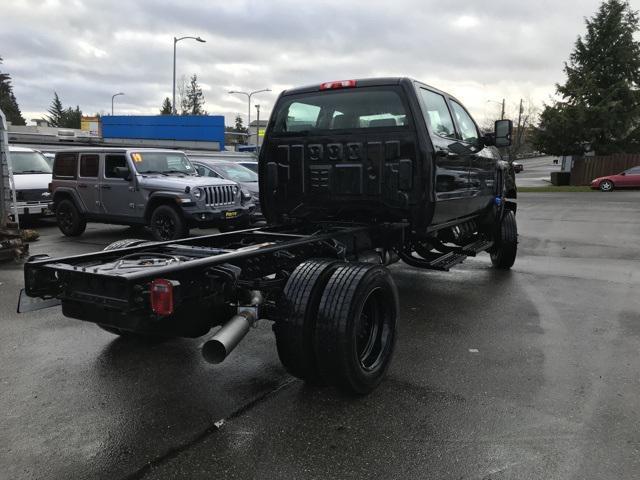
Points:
point(87, 50)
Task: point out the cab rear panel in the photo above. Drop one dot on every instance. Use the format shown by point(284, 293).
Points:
point(359, 160)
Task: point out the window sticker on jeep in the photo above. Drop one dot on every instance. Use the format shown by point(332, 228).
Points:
point(136, 157)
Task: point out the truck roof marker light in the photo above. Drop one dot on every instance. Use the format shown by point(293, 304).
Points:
point(162, 296)
point(338, 84)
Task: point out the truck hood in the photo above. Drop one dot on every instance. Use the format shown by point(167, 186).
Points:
point(175, 182)
point(31, 181)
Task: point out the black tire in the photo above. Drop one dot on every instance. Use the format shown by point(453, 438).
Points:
point(606, 186)
point(167, 224)
point(356, 327)
point(70, 221)
point(503, 253)
point(295, 332)
point(127, 242)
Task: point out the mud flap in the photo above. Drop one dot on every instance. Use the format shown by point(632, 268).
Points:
point(31, 304)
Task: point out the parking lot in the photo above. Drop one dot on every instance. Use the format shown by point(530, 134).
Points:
point(531, 373)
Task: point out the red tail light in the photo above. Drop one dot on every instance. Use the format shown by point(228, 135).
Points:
point(337, 84)
point(162, 297)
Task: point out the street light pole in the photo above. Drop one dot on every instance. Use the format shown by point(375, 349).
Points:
point(112, 97)
point(249, 95)
point(257, 127)
point(175, 41)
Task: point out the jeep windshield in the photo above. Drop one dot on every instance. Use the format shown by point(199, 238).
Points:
point(163, 163)
point(29, 162)
point(364, 108)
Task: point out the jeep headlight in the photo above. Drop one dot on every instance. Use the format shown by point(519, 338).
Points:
point(197, 193)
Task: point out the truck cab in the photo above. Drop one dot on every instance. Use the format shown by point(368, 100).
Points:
point(385, 149)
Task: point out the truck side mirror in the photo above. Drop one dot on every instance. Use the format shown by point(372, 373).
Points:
point(123, 172)
point(503, 131)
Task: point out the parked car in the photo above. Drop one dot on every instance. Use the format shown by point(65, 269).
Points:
point(251, 165)
point(155, 188)
point(208, 166)
point(628, 179)
point(31, 178)
point(517, 167)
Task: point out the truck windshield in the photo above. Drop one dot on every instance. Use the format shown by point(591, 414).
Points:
point(29, 162)
point(370, 107)
point(162, 162)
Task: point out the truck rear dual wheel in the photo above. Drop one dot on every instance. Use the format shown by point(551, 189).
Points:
point(503, 253)
point(70, 221)
point(341, 324)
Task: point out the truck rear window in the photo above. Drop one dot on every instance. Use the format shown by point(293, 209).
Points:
point(341, 109)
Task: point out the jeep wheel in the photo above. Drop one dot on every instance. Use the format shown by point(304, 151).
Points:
point(606, 186)
point(356, 327)
point(167, 224)
point(503, 253)
point(70, 220)
point(295, 332)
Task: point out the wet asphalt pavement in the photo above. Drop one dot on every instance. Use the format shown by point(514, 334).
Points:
point(532, 373)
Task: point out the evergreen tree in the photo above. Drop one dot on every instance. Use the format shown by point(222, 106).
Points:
point(72, 118)
point(194, 98)
point(239, 128)
point(600, 106)
point(8, 103)
point(166, 107)
point(56, 112)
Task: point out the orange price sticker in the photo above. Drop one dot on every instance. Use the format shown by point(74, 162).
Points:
point(136, 157)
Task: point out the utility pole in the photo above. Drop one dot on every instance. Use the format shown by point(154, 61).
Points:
point(502, 114)
point(519, 134)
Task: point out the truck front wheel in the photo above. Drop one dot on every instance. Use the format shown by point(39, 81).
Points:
point(70, 220)
point(295, 332)
point(503, 253)
point(356, 327)
point(167, 224)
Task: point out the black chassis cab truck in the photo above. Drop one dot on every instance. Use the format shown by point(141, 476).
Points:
point(354, 175)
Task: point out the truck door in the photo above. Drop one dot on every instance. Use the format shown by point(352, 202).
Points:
point(117, 195)
point(88, 183)
point(482, 169)
point(452, 169)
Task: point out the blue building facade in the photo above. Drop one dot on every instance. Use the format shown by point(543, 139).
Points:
point(193, 128)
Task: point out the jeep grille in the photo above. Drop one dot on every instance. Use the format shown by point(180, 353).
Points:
point(220, 195)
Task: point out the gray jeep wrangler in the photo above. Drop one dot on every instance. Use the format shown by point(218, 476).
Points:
point(159, 189)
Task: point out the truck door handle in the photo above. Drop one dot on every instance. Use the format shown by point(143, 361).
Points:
point(106, 187)
point(82, 185)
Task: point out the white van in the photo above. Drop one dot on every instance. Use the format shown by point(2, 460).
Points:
point(31, 178)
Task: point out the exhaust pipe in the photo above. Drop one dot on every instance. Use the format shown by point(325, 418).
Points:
point(218, 347)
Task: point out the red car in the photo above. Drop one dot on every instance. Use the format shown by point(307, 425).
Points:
point(627, 179)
